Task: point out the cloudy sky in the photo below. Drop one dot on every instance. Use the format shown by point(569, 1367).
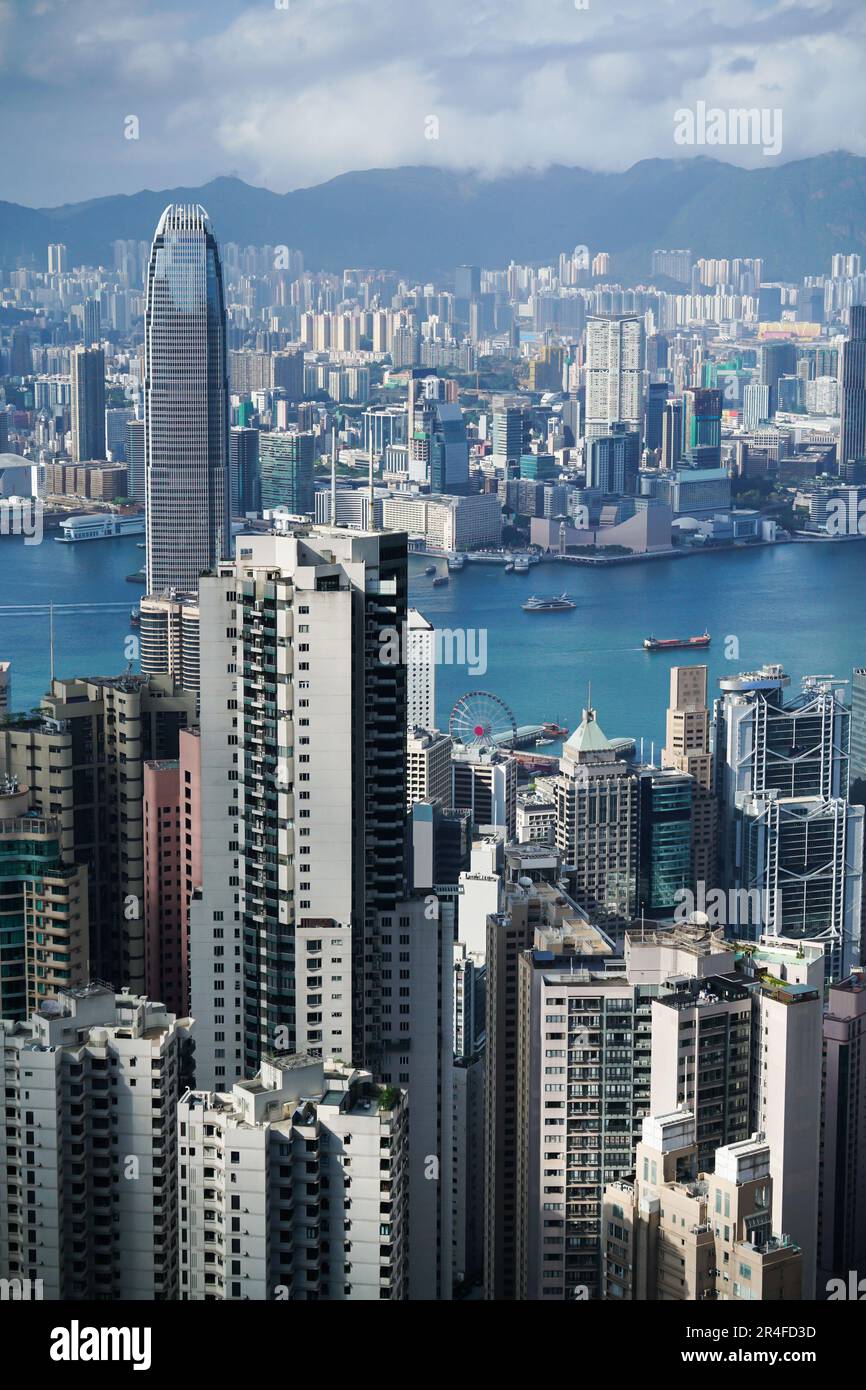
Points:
point(288, 93)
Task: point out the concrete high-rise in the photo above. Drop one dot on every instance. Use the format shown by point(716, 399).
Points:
point(301, 1127)
point(88, 1162)
point(88, 404)
point(852, 377)
point(614, 361)
point(687, 748)
point(673, 1233)
point(842, 1171)
point(83, 760)
point(185, 403)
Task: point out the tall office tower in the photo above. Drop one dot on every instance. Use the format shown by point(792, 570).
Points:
point(597, 802)
point(612, 462)
point(82, 759)
point(756, 406)
point(787, 834)
point(510, 435)
point(614, 360)
point(702, 427)
point(4, 431)
point(672, 434)
point(857, 767)
point(91, 322)
point(91, 1207)
point(657, 396)
point(245, 484)
point(185, 403)
point(313, 823)
point(665, 829)
point(169, 636)
point(770, 303)
point(301, 1127)
point(172, 868)
point(88, 404)
point(842, 1189)
point(428, 767)
point(852, 379)
point(117, 419)
point(687, 748)
point(5, 687)
point(674, 1233)
point(56, 258)
point(743, 1052)
point(467, 282)
point(21, 353)
point(288, 373)
point(484, 782)
point(286, 468)
point(420, 657)
point(578, 1020)
point(776, 360)
point(135, 460)
point(468, 1232)
point(43, 908)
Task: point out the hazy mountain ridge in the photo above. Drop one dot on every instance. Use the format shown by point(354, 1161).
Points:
point(421, 220)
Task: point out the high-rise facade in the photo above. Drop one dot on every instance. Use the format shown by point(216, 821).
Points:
point(286, 468)
point(852, 376)
point(788, 835)
point(88, 404)
point(842, 1170)
point(89, 1197)
point(82, 758)
point(614, 361)
point(305, 1170)
point(186, 403)
point(687, 748)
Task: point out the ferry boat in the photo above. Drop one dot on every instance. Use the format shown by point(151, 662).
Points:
point(99, 526)
point(543, 742)
point(430, 569)
point(561, 604)
point(456, 562)
point(442, 579)
point(521, 564)
point(666, 644)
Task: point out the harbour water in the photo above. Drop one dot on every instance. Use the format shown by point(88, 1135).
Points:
point(800, 605)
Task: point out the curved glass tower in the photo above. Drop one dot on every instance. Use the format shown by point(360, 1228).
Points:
point(186, 403)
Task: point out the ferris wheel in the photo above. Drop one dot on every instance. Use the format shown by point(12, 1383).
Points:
point(482, 720)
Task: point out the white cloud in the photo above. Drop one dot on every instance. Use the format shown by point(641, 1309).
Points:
point(292, 97)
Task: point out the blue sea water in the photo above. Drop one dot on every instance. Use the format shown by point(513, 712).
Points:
point(800, 605)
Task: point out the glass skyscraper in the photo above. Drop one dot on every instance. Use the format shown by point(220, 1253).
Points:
point(186, 403)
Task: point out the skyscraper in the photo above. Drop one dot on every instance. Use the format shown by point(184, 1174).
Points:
point(186, 402)
point(286, 467)
point(702, 426)
point(88, 404)
point(852, 427)
point(614, 356)
point(687, 747)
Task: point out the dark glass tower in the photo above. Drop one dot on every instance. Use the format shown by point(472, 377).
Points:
point(186, 403)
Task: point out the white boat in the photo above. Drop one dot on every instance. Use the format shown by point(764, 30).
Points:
point(456, 562)
point(521, 564)
point(99, 526)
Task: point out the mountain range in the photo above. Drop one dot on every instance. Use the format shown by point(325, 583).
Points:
point(424, 221)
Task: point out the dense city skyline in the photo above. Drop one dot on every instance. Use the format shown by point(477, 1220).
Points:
point(433, 678)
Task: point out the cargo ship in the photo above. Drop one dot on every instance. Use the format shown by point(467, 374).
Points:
point(666, 644)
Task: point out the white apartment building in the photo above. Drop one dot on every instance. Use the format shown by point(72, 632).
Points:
point(88, 1195)
point(428, 767)
point(420, 657)
point(535, 818)
point(293, 1186)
